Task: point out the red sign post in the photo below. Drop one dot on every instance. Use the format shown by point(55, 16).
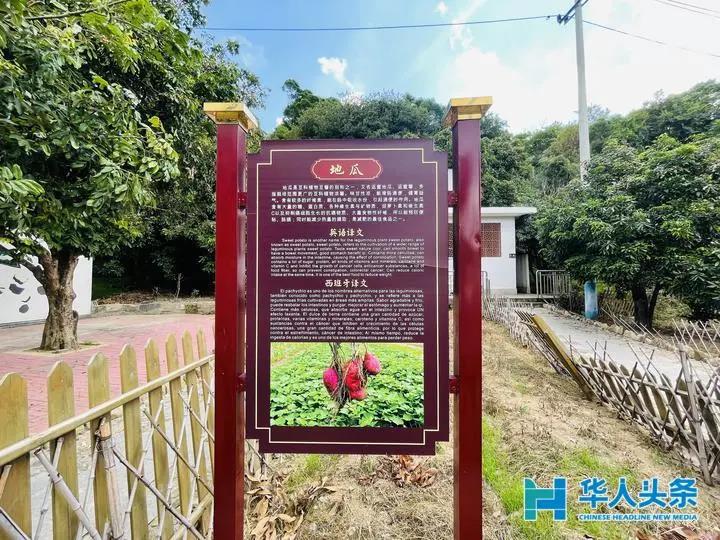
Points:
point(464, 117)
point(378, 192)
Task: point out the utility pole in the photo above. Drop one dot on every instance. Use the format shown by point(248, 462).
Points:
point(590, 288)
point(583, 127)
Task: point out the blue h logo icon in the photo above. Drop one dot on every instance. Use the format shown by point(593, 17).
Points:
point(554, 498)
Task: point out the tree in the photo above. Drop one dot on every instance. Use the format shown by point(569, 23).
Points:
point(644, 221)
point(506, 171)
point(376, 116)
point(301, 99)
point(76, 146)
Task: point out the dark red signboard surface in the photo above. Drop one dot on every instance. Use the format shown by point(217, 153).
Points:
point(347, 259)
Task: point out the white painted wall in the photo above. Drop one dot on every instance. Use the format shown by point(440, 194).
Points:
point(22, 299)
point(502, 270)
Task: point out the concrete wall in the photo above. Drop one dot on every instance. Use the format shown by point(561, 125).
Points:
point(22, 299)
point(522, 264)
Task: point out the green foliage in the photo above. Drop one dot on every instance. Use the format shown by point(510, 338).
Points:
point(643, 220)
point(377, 116)
point(81, 158)
point(394, 396)
point(507, 171)
point(504, 469)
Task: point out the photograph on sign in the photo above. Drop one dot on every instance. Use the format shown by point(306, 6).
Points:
point(347, 296)
point(346, 384)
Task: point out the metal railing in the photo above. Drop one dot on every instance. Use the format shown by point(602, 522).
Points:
point(552, 283)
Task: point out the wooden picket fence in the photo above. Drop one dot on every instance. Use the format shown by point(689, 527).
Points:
point(164, 425)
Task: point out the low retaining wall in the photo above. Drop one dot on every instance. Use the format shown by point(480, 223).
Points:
point(204, 307)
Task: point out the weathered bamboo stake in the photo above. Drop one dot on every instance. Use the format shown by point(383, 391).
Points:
point(196, 417)
point(179, 454)
point(201, 450)
point(46, 498)
point(173, 474)
point(91, 478)
point(260, 456)
point(106, 447)
point(696, 419)
point(198, 460)
point(211, 392)
point(145, 449)
point(4, 478)
point(195, 516)
point(62, 488)
point(157, 494)
point(10, 528)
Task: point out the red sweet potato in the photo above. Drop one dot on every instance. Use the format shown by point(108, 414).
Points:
point(331, 380)
point(371, 364)
point(358, 395)
point(353, 376)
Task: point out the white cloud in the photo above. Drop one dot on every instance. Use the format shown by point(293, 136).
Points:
point(540, 86)
point(441, 8)
point(279, 120)
point(251, 55)
point(336, 68)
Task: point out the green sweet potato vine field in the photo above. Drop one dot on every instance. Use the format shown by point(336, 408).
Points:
point(298, 397)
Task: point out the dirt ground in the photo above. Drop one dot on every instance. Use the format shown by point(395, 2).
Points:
point(535, 424)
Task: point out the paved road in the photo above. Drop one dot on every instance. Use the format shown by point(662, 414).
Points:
point(585, 336)
point(109, 333)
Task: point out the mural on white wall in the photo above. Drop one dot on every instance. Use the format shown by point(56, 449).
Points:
point(20, 291)
point(23, 299)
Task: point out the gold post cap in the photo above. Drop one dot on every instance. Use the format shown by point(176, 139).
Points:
point(231, 113)
point(469, 108)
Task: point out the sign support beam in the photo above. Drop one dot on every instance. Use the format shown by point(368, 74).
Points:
point(233, 121)
point(464, 116)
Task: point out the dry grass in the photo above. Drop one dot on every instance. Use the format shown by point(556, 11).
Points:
point(543, 427)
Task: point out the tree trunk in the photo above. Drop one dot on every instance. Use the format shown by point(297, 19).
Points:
point(61, 324)
point(642, 312)
point(653, 302)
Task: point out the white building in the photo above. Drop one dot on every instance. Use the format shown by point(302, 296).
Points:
point(22, 298)
point(504, 270)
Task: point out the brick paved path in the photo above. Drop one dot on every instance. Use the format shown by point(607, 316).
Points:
point(111, 333)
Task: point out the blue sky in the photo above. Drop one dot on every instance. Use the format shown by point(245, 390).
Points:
point(528, 67)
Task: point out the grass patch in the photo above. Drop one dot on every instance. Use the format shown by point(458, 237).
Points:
point(104, 287)
point(309, 469)
point(504, 471)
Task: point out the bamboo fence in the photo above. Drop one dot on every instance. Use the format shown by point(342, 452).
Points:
point(681, 414)
point(66, 482)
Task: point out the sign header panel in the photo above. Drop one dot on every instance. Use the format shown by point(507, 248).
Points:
point(347, 297)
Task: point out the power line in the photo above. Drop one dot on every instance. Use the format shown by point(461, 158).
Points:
point(385, 27)
point(706, 13)
point(694, 6)
point(559, 18)
point(652, 40)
